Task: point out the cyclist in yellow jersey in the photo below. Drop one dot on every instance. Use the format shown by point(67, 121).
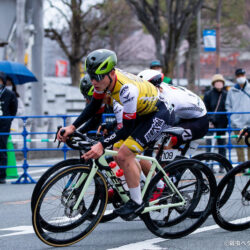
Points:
point(144, 117)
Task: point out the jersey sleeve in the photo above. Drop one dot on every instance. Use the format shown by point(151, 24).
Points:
point(91, 109)
point(118, 111)
point(128, 97)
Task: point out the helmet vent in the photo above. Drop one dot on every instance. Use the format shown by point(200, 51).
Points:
point(93, 58)
point(104, 66)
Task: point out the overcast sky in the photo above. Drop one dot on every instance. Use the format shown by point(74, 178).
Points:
point(51, 14)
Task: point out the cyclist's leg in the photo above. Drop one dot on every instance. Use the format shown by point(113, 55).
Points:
point(126, 160)
point(147, 130)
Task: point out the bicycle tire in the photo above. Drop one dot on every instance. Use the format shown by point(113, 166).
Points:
point(226, 165)
point(50, 173)
point(229, 220)
point(55, 238)
point(52, 228)
point(176, 228)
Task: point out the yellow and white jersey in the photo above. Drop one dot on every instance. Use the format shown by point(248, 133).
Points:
point(134, 94)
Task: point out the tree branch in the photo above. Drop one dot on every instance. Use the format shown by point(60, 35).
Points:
point(60, 11)
point(54, 35)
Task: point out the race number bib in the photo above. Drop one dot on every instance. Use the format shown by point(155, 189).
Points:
point(169, 155)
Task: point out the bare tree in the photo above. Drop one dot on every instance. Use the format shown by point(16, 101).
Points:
point(90, 28)
point(192, 54)
point(167, 21)
point(119, 23)
point(80, 27)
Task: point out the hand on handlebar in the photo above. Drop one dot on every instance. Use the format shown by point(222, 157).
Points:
point(95, 152)
point(245, 132)
point(64, 132)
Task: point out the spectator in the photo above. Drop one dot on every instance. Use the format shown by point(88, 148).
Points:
point(156, 65)
point(8, 107)
point(215, 100)
point(11, 86)
point(238, 100)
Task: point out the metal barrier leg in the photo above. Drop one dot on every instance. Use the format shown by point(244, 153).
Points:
point(25, 178)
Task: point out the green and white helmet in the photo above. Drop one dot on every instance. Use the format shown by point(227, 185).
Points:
point(86, 87)
point(99, 63)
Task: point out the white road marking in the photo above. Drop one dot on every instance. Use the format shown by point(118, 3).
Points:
point(142, 245)
point(151, 244)
point(19, 230)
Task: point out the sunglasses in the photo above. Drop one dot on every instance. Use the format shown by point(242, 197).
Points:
point(96, 77)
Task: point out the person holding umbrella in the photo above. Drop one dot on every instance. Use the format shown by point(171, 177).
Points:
point(8, 107)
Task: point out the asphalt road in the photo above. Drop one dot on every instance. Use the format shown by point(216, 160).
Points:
point(16, 230)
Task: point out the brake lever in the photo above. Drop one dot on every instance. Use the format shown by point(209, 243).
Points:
point(61, 133)
point(58, 128)
point(244, 130)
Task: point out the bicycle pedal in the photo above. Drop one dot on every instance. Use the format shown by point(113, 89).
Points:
point(129, 217)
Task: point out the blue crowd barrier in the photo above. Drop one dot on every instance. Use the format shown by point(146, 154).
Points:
point(26, 178)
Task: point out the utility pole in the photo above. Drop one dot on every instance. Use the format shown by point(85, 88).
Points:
point(218, 17)
point(20, 39)
point(37, 58)
point(198, 48)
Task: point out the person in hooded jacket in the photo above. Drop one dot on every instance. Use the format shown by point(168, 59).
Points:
point(8, 107)
point(215, 100)
point(238, 100)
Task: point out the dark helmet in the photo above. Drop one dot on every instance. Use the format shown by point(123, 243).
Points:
point(240, 72)
point(151, 75)
point(3, 77)
point(100, 62)
point(86, 87)
point(155, 63)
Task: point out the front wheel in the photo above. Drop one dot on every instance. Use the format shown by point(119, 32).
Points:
point(48, 174)
point(54, 218)
point(234, 214)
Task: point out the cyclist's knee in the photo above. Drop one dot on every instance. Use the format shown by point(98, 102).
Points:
point(124, 155)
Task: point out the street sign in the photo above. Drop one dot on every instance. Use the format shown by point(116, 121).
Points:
point(209, 38)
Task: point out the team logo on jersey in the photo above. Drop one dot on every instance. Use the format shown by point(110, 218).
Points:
point(128, 100)
point(137, 140)
point(154, 130)
point(110, 138)
point(187, 135)
point(125, 95)
point(123, 91)
point(129, 116)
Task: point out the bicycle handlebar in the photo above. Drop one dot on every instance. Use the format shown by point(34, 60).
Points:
point(247, 137)
point(76, 140)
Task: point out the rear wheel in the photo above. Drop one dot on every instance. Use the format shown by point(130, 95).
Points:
point(220, 162)
point(175, 222)
point(55, 221)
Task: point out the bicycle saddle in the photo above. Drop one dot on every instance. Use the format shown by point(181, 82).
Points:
point(176, 131)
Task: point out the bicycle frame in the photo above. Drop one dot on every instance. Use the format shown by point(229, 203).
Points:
point(151, 206)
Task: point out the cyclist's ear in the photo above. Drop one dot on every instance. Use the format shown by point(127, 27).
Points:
point(112, 73)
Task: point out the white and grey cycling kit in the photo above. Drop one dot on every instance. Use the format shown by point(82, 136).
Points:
point(187, 105)
point(189, 109)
